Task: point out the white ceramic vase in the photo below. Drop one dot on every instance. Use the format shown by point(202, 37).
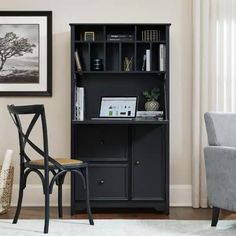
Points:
point(152, 105)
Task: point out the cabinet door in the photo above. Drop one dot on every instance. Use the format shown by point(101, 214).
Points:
point(148, 163)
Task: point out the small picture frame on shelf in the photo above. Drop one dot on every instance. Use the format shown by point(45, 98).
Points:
point(89, 36)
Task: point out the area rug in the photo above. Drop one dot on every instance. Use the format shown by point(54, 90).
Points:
point(118, 228)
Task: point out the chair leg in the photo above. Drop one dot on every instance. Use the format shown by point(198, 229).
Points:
point(60, 210)
point(46, 220)
point(87, 199)
point(20, 197)
point(215, 216)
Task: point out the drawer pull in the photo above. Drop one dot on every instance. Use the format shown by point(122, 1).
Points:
point(101, 182)
point(137, 163)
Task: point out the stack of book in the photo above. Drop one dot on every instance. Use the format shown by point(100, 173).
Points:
point(120, 37)
point(151, 35)
point(79, 103)
point(150, 115)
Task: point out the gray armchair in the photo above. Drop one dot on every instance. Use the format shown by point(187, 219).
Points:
point(220, 161)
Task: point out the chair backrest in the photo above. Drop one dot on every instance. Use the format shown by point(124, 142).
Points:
point(221, 128)
point(38, 112)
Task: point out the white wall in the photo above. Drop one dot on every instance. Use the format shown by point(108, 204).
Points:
point(176, 12)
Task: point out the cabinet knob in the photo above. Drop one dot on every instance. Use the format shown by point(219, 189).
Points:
point(137, 163)
point(101, 182)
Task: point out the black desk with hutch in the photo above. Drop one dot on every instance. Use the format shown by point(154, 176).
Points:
point(128, 159)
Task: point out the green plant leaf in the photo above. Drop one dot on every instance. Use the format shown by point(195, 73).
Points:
point(153, 94)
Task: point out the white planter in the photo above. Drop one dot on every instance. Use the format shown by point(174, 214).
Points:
point(152, 105)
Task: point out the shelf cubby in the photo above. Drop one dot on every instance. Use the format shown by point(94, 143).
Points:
point(155, 33)
point(84, 57)
point(120, 29)
point(96, 52)
point(128, 51)
point(113, 57)
point(155, 57)
point(97, 29)
point(140, 52)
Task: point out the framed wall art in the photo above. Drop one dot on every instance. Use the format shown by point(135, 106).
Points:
point(25, 53)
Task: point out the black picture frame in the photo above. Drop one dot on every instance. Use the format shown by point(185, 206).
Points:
point(44, 85)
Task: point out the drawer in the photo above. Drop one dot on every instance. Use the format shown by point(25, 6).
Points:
point(106, 182)
point(101, 143)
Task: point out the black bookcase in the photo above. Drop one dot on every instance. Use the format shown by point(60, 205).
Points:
point(128, 159)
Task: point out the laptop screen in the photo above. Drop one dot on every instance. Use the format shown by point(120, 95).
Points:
point(118, 107)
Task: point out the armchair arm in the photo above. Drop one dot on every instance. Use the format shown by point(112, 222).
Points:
point(220, 164)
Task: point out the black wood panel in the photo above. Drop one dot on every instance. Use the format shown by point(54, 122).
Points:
point(148, 162)
point(118, 85)
point(101, 143)
point(106, 182)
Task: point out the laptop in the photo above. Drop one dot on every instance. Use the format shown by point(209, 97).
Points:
point(117, 108)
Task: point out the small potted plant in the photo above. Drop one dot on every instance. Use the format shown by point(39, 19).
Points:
point(151, 99)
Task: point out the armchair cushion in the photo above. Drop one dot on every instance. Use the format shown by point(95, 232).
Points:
point(221, 176)
point(221, 128)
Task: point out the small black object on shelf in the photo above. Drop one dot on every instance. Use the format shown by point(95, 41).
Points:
point(96, 64)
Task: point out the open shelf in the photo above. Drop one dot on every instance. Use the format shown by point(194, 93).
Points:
point(121, 72)
point(113, 52)
point(119, 121)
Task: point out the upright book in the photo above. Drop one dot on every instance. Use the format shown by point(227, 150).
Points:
point(148, 59)
point(162, 57)
point(79, 107)
point(77, 61)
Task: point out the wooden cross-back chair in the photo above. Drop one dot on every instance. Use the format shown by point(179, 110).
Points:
point(58, 167)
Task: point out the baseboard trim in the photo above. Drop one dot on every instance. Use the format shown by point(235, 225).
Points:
point(180, 195)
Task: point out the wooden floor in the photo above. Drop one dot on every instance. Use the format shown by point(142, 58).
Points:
point(179, 213)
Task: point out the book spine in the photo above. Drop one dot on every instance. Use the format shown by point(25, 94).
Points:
point(79, 107)
point(148, 60)
point(81, 103)
point(77, 60)
point(153, 35)
point(144, 62)
point(77, 104)
point(120, 39)
point(148, 36)
point(162, 57)
point(75, 107)
point(150, 32)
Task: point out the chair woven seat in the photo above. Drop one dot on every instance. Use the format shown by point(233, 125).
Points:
point(63, 161)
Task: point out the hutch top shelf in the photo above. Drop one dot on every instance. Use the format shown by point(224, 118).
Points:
point(112, 44)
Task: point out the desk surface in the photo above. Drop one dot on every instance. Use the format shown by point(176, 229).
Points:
point(119, 121)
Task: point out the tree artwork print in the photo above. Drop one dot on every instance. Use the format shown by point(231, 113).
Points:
point(19, 53)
